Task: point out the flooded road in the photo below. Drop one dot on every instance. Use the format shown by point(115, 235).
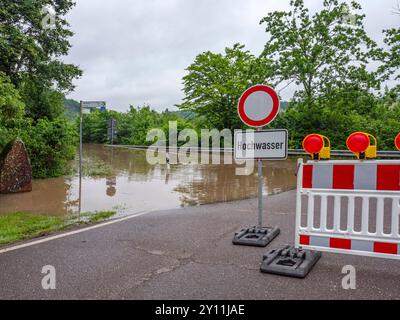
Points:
point(121, 180)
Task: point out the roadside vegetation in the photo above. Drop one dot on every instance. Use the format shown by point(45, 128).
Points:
point(23, 226)
point(33, 82)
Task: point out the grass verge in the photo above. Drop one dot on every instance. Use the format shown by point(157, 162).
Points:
point(23, 226)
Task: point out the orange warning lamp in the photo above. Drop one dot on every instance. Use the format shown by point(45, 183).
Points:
point(318, 146)
point(397, 142)
point(363, 145)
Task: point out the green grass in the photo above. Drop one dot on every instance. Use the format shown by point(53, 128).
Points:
point(22, 226)
point(99, 216)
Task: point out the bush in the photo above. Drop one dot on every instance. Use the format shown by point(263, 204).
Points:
point(50, 144)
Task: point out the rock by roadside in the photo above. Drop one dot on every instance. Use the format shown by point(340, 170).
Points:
point(15, 168)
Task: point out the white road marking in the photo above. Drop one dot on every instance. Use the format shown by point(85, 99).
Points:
point(63, 235)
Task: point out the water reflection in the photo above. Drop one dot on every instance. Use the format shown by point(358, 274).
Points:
point(111, 183)
point(132, 185)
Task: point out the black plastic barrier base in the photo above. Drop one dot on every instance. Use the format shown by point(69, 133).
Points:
point(255, 237)
point(290, 262)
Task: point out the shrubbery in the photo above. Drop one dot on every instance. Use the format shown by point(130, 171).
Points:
point(132, 126)
point(33, 81)
point(50, 144)
point(337, 124)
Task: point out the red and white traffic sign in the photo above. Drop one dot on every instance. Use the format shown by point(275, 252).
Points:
point(259, 106)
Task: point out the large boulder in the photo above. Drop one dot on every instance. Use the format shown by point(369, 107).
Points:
point(15, 168)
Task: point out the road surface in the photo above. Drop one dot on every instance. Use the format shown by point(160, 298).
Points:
point(186, 254)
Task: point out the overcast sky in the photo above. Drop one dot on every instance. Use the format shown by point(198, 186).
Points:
point(136, 51)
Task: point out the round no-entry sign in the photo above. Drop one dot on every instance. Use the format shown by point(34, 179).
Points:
point(259, 106)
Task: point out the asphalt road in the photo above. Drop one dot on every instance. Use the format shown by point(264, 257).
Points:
point(186, 254)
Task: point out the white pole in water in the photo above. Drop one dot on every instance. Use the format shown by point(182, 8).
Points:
point(114, 122)
point(80, 157)
point(260, 192)
point(112, 131)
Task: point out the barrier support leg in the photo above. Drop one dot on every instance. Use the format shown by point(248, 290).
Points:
point(255, 236)
point(290, 261)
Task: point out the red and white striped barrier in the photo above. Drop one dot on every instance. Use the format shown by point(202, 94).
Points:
point(350, 207)
point(348, 175)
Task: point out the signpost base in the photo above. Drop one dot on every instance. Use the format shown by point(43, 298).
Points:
point(289, 261)
point(255, 236)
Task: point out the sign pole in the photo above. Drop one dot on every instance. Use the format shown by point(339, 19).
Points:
point(80, 156)
point(260, 192)
point(112, 131)
point(87, 105)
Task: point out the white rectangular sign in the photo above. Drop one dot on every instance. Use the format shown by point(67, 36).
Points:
point(93, 104)
point(90, 106)
point(265, 145)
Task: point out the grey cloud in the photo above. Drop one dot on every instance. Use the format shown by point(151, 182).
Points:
point(136, 52)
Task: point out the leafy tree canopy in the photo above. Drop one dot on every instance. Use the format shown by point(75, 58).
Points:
point(11, 106)
point(215, 82)
point(33, 81)
point(31, 52)
point(391, 67)
point(321, 53)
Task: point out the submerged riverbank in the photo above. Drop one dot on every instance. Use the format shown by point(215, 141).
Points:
point(121, 180)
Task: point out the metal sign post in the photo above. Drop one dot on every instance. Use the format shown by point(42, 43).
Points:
point(80, 156)
point(112, 132)
point(258, 107)
point(85, 107)
point(260, 192)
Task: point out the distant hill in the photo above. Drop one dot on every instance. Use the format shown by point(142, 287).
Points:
point(72, 108)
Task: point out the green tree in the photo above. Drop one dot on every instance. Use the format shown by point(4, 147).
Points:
point(134, 125)
point(33, 80)
point(41, 101)
point(11, 110)
point(327, 55)
point(323, 53)
point(391, 67)
point(215, 82)
point(31, 53)
point(95, 126)
point(11, 106)
point(51, 146)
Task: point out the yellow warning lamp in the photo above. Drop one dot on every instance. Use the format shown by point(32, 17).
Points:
point(363, 145)
point(318, 146)
point(397, 142)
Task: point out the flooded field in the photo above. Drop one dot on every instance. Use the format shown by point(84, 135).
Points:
point(122, 180)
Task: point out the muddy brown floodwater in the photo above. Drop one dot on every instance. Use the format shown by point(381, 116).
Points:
point(132, 185)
